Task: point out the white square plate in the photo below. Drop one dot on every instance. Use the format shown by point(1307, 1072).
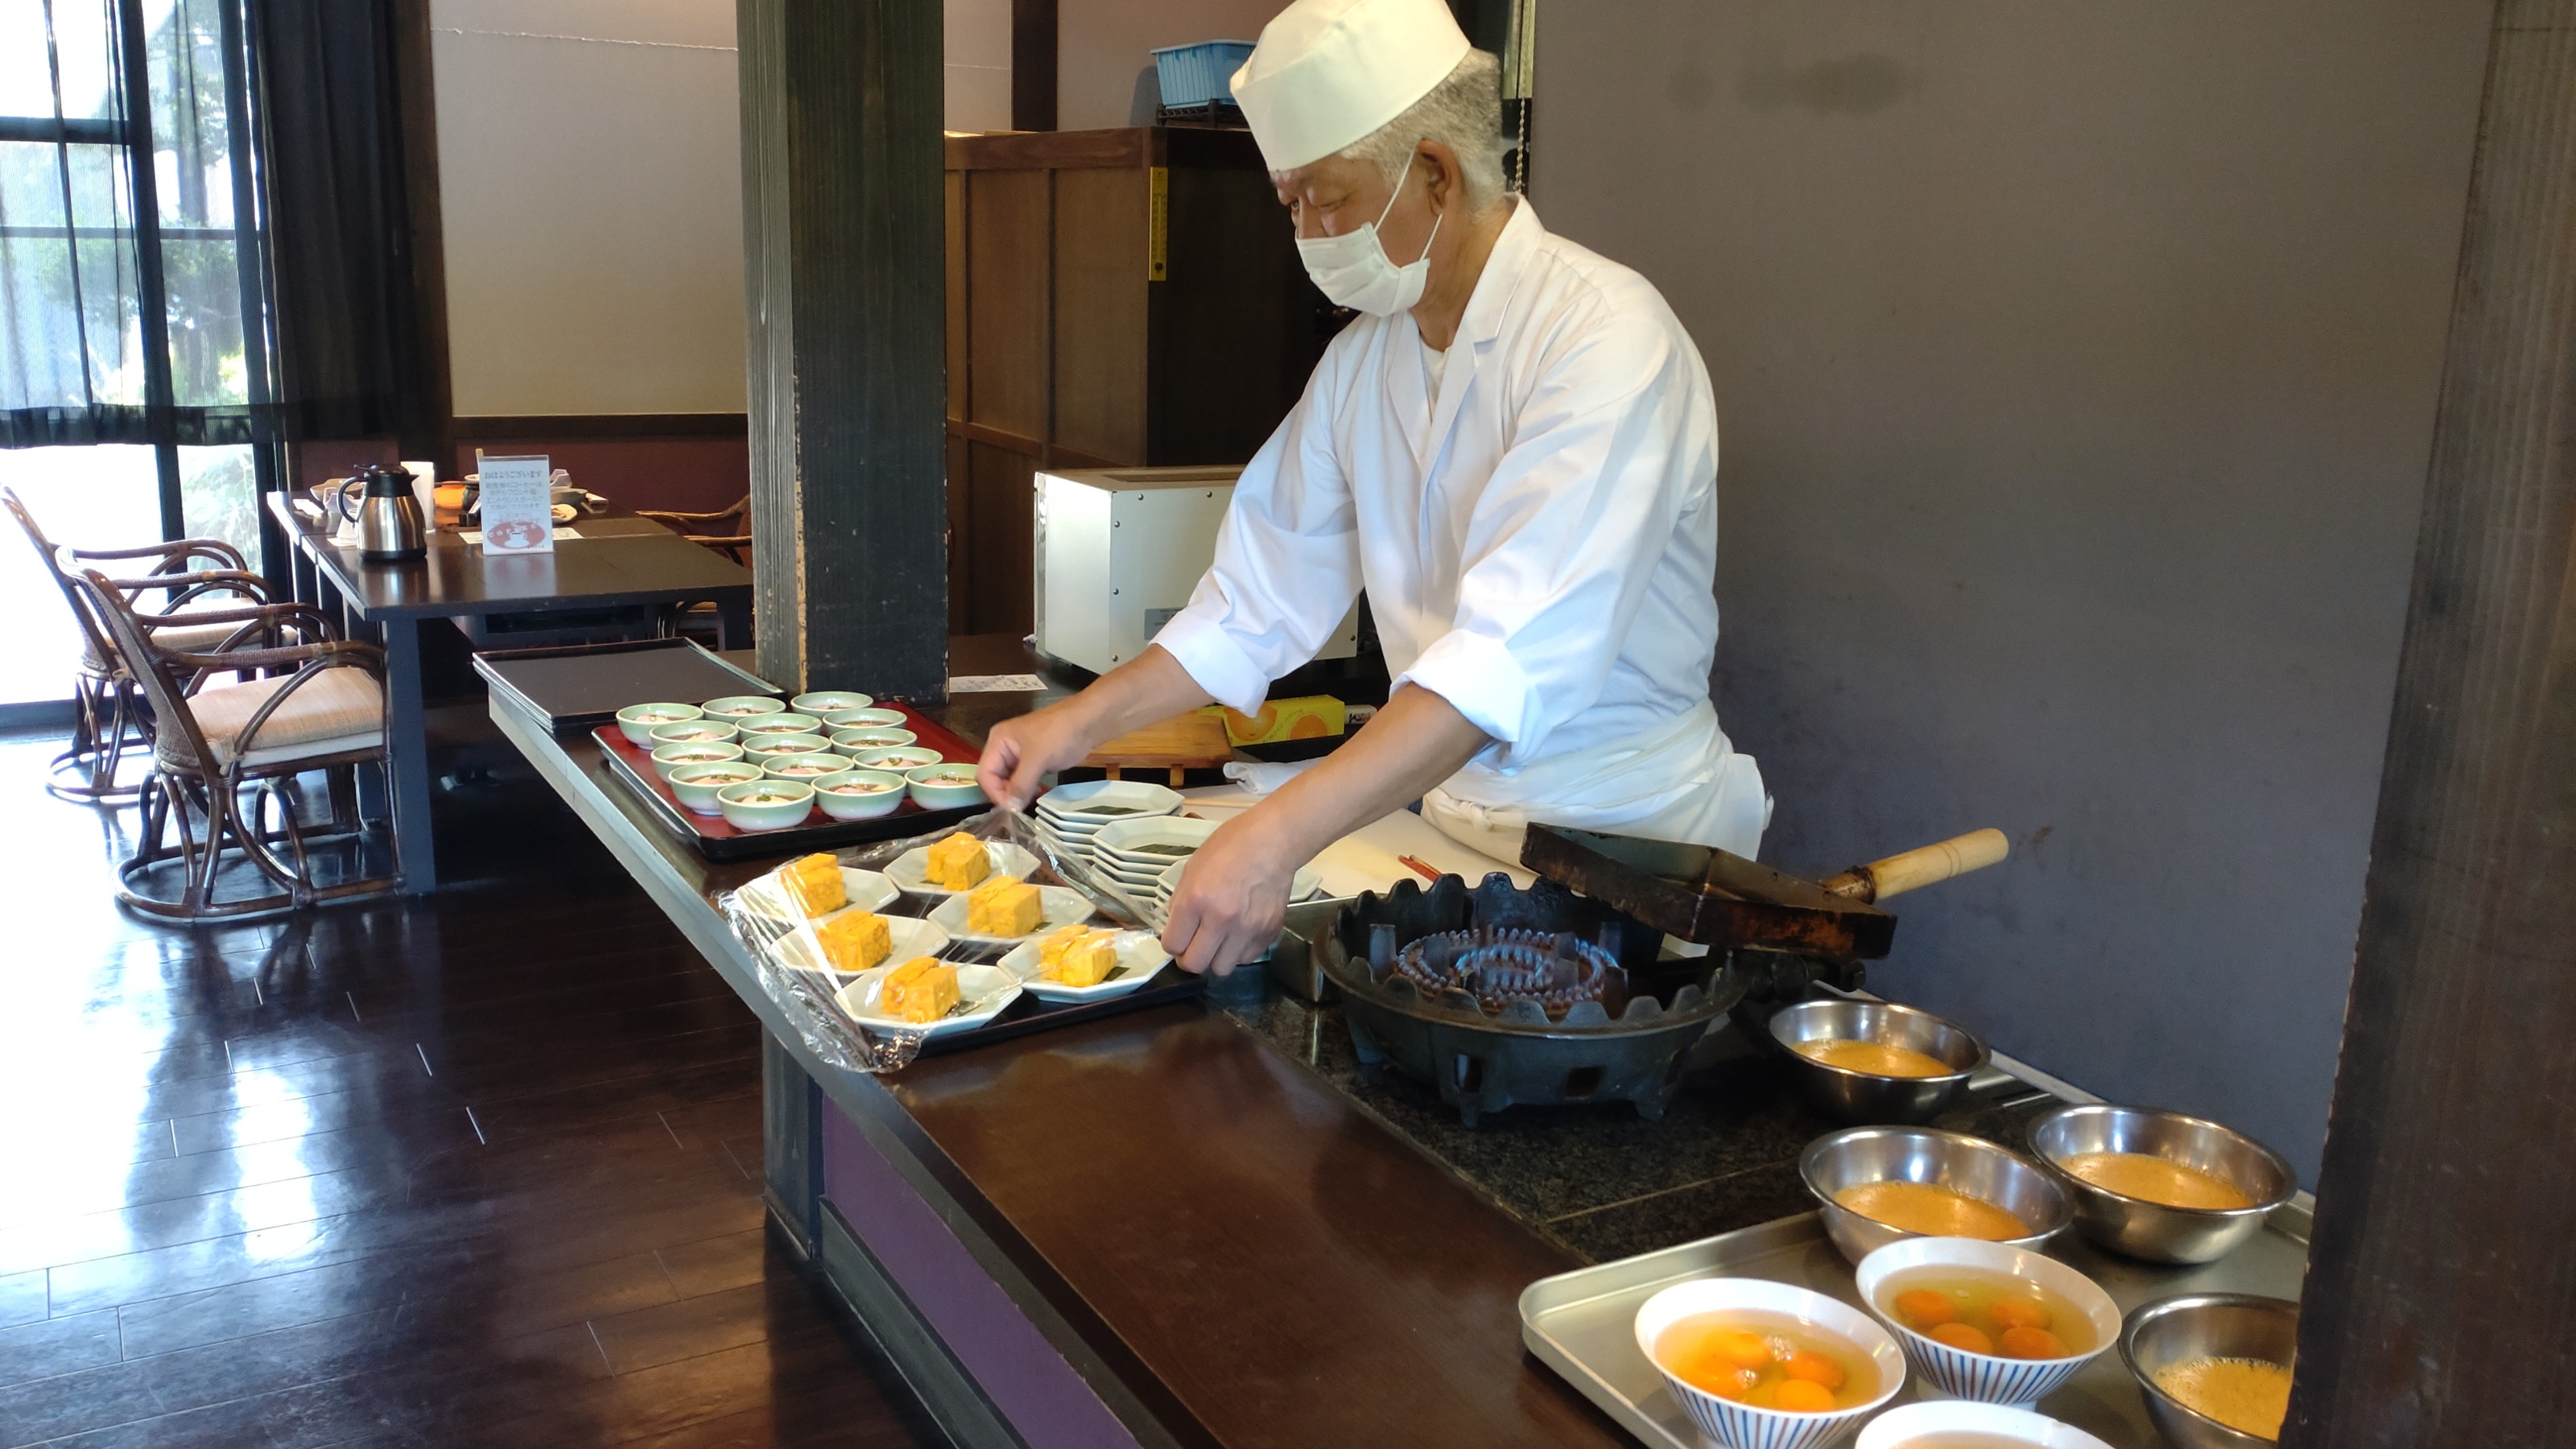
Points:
point(982, 992)
point(1140, 956)
point(910, 936)
point(1134, 797)
point(1061, 906)
point(905, 870)
point(766, 898)
point(1129, 837)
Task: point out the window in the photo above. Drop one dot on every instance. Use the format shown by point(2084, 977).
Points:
point(130, 263)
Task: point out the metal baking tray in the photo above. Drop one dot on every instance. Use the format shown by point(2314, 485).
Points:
point(1581, 1324)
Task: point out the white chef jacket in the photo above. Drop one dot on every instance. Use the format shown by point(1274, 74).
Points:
point(1538, 542)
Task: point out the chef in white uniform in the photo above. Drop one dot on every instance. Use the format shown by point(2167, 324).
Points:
point(1513, 450)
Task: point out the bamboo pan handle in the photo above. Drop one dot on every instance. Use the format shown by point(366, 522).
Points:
point(1928, 865)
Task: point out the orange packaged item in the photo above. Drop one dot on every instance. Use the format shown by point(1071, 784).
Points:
point(1307, 717)
point(920, 990)
point(957, 863)
point(814, 884)
point(856, 941)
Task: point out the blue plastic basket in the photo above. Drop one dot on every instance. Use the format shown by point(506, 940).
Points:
point(1193, 75)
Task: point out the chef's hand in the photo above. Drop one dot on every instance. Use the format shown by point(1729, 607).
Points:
point(1231, 901)
point(1020, 752)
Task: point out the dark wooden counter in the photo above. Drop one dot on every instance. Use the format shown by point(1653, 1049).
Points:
point(1208, 1224)
point(1221, 1246)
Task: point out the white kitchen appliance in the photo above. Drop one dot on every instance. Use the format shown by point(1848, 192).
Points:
point(1118, 551)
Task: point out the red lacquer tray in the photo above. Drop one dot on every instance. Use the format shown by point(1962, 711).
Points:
point(716, 839)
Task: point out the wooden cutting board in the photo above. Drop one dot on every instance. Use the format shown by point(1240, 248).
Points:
point(1190, 741)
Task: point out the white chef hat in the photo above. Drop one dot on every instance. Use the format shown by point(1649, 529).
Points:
point(1329, 73)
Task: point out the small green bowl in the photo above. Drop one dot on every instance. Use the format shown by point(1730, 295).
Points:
point(696, 785)
point(761, 747)
point(895, 757)
point(638, 721)
point(694, 732)
point(859, 807)
point(778, 724)
point(766, 804)
point(740, 707)
point(859, 719)
point(671, 757)
point(872, 737)
point(824, 701)
point(803, 769)
point(944, 787)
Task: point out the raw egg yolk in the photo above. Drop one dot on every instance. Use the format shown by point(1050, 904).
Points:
point(1815, 1368)
point(1925, 1309)
point(1735, 1346)
point(1964, 1337)
point(2018, 1313)
point(2027, 1342)
point(1804, 1396)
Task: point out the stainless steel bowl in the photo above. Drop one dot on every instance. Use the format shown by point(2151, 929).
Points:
point(2150, 1230)
point(1849, 1096)
point(1963, 1164)
point(2204, 1325)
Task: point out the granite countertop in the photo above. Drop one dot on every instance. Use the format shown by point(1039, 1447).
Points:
point(1599, 1179)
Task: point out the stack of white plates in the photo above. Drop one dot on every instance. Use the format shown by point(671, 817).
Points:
point(1305, 887)
point(1070, 815)
point(1136, 851)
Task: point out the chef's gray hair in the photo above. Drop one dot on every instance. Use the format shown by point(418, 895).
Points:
point(1465, 113)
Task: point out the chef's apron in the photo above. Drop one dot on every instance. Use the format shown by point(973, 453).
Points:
point(1681, 781)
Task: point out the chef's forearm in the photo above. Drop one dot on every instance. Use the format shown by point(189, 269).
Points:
point(1414, 743)
point(1148, 688)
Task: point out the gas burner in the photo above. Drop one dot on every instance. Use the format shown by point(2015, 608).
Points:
point(1497, 995)
point(1498, 965)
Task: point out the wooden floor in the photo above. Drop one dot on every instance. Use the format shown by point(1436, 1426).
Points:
point(476, 1170)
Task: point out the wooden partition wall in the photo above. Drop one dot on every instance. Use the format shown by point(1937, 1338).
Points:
point(1115, 298)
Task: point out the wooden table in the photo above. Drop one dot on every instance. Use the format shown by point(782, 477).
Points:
point(619, 559)
point(1151, 1230)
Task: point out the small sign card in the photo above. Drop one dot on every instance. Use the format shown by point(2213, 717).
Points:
point(518, 504)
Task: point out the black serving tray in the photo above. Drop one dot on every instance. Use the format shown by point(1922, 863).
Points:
point(580, 685)
point(1028, 1015)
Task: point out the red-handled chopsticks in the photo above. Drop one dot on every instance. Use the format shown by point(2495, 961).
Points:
point(1427, 871)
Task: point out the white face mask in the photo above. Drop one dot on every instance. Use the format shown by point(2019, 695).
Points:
point(1354, 270)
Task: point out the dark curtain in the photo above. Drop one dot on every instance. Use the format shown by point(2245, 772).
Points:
point(252, 282)
point(339, 219)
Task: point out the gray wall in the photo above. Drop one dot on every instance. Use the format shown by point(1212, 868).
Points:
point(2076, 362)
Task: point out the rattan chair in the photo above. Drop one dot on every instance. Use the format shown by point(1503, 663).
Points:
point(727, 530)
point(212, 746)
point(108, 720)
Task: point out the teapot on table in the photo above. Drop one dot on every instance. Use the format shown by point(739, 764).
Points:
point(386, 514)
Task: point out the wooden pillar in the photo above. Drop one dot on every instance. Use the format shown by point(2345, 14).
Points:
point(842, 208)
point(2440, 1306)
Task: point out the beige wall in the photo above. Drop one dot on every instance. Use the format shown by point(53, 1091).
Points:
point(977, 42)
point(590, 176)
point(1103, 45)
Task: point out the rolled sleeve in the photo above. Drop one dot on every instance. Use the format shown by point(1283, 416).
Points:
point(1480, 679)
point(1220, 666)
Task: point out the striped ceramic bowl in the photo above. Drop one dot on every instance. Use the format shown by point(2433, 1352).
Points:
point(1742, 1426)
point(1985, 1378)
